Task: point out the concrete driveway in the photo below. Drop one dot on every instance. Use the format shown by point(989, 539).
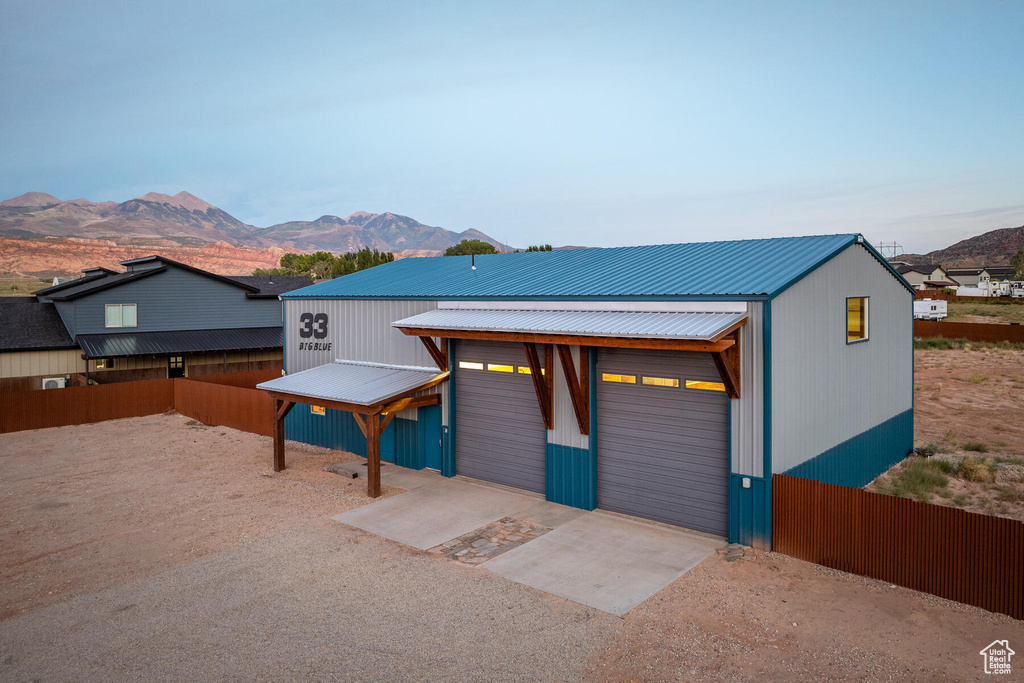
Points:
point(599, 559)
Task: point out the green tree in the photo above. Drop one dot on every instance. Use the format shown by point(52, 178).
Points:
point(542, 247)
point(467, 247)
point(1017, 263)
point(323, 265)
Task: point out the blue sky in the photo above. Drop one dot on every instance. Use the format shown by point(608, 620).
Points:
point(585, 123)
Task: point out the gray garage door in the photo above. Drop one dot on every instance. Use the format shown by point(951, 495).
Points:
point(499, 429)
point(662, 450)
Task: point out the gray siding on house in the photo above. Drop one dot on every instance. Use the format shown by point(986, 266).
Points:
point(177, 300)
point(66, 311)
point(825, 391)
point(747, 430)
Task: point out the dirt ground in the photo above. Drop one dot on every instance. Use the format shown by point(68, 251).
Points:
point(88, 508)
point(970, 403)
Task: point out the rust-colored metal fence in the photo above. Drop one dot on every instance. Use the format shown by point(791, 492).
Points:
point(962, 556)
point(230, 400)
point(979, 332)
point(249, 410)
point(247, 380)
point(21, 410)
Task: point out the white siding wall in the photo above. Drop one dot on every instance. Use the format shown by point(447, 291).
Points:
point(359, 330)
point(567, 429)
point(747, 430)
point(825, 391)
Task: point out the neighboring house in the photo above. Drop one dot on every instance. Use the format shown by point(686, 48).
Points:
point(927, 276)
point(667, 382)
point(969, 277)
point(1000, 272)
point(158, 318)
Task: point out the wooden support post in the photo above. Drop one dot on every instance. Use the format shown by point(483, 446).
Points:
point(579, 387)
point(728, 364)
point(373, 455)
point(440, 355)
point(281, 410)
point(541, 385)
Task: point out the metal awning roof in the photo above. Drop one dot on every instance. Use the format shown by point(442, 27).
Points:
point(695, 325)
point(355, 382)
point(179, 341)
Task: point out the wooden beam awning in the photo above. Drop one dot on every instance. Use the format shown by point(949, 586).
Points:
point(372, 392)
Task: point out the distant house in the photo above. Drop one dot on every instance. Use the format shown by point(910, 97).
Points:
point(969, 277)
point(1000, 272)
point(931, 276)
point(157, 318)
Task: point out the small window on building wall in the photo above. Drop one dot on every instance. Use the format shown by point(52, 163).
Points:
point(120, 315)
point(856, 319)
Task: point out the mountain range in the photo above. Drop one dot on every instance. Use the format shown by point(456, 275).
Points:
point(993, 248)
point(185, 223)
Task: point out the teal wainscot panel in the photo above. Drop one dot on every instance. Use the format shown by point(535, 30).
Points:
point(858, 460)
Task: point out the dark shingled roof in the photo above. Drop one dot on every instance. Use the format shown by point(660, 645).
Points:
point(28, 325)
point(272, 285)
point(90, 285)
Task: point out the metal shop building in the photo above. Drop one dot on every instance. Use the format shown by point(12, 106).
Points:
point(667, 382)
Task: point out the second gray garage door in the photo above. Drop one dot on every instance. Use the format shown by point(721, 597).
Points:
point(662, 450)
point(499, 431)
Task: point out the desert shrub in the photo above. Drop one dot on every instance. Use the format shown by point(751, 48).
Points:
point(915, 478)
point(961, 499)
point(976, 447)
point(1010, 494)
point(928, 450)
point(977, 379)
point(972, 469)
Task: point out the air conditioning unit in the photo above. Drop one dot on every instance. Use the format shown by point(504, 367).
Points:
point(53, 383)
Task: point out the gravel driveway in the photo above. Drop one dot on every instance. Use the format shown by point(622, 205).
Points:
point(316, 603)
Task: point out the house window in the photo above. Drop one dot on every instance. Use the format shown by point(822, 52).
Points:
point(470, 365)
point(120, 315)
point(497, 367)
point(856, 319)
point(525, 370)
point(317, 410)
point(104, 364)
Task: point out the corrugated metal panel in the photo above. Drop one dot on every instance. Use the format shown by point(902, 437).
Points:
point(570, 476)
point(357, 330)
point(747, 435)
point(356, 382)
point(857, 461)
point(662, 452)
point(825, 391)
point(964, 556)
point(666, 325)
point(738, 268)
point(180, 341)
point(499, 428)
point(566, 430)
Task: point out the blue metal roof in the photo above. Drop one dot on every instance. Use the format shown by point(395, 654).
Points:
point(741, 269)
